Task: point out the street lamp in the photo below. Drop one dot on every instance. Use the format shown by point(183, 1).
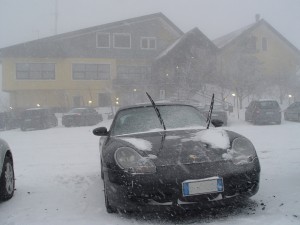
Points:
point(233, 95)
point(290, 96)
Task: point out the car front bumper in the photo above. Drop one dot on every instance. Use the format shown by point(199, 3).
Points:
point(131, 192)
point(267, 118)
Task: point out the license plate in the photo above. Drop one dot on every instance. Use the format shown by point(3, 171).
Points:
point(202, 186)
point(270, 113)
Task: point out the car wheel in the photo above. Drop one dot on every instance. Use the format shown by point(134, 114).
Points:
point(43, 125)
point(109, 208)
point(7, 180)
point(67, 124)
point(55, 124)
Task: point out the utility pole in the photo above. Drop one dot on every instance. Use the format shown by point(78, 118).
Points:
point(56, 17)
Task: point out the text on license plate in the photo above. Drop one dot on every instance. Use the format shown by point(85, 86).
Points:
point(202, 186)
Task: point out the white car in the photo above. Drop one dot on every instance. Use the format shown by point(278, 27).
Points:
point(7, 175)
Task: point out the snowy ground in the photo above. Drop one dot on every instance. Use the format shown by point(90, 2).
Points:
point(58, 180)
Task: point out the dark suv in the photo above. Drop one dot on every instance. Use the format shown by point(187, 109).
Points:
point(38, 118)
point(292, 112)
point(263, 111)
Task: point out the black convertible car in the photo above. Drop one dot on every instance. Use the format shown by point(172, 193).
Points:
point(159, 155)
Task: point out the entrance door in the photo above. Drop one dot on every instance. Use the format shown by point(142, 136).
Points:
point(104, 100)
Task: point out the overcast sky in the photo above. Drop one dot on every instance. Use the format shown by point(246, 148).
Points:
point(25, 20)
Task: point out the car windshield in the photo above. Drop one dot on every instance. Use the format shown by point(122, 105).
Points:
point(33, 113)
point(215, 108)
point(268, 105)
point(143, 119)
point(77, 110)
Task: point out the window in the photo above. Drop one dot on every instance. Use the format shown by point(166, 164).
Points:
point(122, 41)
point(82, 71)
point(133, 72)
point(264, 44)
point(35, 71)
point(103, 40)
point(148, 43)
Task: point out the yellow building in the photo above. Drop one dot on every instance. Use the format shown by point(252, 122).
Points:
point(279, 60)
point(93, 67)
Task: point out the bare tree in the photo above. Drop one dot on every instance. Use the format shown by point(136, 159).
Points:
point(241, 73)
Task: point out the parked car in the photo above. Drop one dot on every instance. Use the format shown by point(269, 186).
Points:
point(292, 112)
point(186, 164)
point(38, 118)
point(263, 111)
point(218, 112)
point(81, 117)
point(7, 175)
point(9, 119)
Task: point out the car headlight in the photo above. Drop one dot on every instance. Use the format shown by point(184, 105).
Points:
point(132, 162)
point(242, 151)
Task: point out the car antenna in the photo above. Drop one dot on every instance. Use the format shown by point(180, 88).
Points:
point(208, 120)
point(157, 111)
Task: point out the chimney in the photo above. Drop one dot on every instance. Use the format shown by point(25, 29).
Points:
point(257, 17)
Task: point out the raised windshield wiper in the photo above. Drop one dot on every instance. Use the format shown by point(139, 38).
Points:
point(157, 111)
point(210, 111)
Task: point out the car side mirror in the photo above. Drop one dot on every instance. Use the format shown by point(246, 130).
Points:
point(217, 123)
point(100, 131)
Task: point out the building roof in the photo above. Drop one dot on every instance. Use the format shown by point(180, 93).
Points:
point(51, 45)
point(195, 35)
point(228, 39)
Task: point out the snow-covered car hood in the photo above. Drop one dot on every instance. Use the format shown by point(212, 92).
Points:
point(180, 146)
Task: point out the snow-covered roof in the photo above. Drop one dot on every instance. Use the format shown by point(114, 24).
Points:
point(226, 39)
point(195, 32)
point(229, 38)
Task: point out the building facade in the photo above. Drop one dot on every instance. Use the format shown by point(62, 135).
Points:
point(94, 67)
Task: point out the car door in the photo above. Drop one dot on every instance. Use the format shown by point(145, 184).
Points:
point(249, 111)
point(295, 112)
point(91, 116)
point(85, 117)
point(292, 112)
